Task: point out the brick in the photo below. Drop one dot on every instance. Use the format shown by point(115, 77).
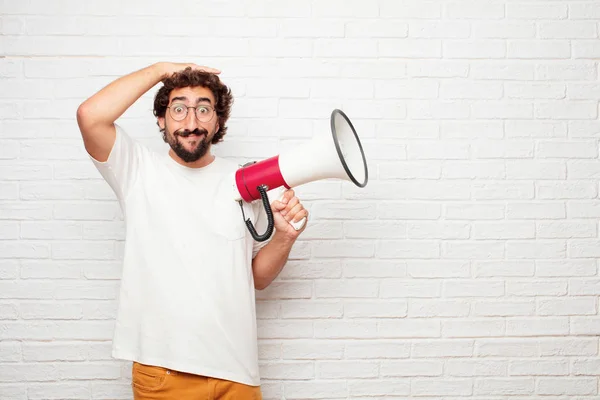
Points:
point(438, 68)
point(507, 230)
point(437, 308)
point(384, 388)
point(346, 288)
point(451, 348)
point(287, 370)
point(312, 350)
point(373, 269)
point(313, 28)
point(569, 268)
point(347, 369)
point(408, 249)
point(473, 211)
point(346, 329)
point(536, 169)
point(538, 368)
point(410, 9)
point(583, 91)
point(571, 229)
point(536, 11)
point(567, 30)
point(536, 288)
point(472, 249)
point(470, 90)
point(504, 30)
point(566, 70)
point(312, 269)
point(474, 49)
point(503, 268)
point(315, 390)
point(586, 49)
point(532, 49)
point(413, 48)
point(286, 290)
point(507, 347)
point(589, 326)
point(439, 29)
point(566, 110)
point(467, 368)
point(575, 306)
point(438, 269)
point(586, 366)
point(519, 90)
point(582, 287)
point(386, 309)
point(341, 48)
point(504, 386)
point(536, 210)
point(472, 129)
point(537, 129)
point(474, 10)
point(568, 347)
point(503, 308)
point(411, 368)
point(376, 349)
point(442, 387)
point(567, 386)
point(466, 328)
point(409, 328)
point(548, 326)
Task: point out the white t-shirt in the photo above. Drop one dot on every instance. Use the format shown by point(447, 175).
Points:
point(187, 297)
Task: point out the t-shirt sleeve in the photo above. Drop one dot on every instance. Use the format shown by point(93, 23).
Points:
point(121, 168)
point(261, 221)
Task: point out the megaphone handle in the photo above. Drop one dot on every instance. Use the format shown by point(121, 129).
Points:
point(297, 225)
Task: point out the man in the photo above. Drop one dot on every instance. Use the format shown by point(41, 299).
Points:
point(186, 315)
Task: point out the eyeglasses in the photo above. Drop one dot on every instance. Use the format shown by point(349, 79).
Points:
point(179, 112)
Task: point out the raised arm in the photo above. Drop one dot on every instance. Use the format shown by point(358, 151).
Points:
point(96, 116)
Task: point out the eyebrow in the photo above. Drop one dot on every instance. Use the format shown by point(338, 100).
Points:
point(199, 100)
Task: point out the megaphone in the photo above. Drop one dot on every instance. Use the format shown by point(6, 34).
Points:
point(338, 156)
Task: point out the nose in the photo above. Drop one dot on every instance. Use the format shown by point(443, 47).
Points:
point(190, 122)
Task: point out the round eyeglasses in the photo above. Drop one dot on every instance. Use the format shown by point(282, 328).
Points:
point(179, 112)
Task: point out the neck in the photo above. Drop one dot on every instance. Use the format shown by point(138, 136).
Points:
point(200, 163)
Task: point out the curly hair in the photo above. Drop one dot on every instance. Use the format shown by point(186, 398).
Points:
point(194, 78)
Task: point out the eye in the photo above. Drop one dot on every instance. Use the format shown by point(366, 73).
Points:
point(178, 109)
point(203, 110)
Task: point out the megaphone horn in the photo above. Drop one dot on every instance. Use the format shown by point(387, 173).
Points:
point(339, 155)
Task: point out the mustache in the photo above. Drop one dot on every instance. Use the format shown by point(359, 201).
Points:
point(187, 132)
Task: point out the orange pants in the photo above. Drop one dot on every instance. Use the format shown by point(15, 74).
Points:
point(157, 383)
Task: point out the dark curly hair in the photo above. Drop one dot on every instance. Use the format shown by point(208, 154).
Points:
point(194, 78)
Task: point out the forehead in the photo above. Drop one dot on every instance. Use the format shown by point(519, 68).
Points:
point(192, 94)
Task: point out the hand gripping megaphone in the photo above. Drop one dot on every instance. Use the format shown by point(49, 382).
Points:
point(339, 156)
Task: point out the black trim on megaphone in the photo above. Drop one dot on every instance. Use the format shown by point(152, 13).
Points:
point(339, 150)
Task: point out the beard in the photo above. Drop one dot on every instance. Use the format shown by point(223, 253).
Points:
point(179, 148)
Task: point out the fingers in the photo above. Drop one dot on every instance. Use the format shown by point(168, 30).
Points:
point(288, 195)
point(205, 69)
point(294, 202)
point(211, 70)
point(303, 213)
point(294, 211)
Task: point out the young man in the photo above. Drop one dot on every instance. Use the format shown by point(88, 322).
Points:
point(186, 315)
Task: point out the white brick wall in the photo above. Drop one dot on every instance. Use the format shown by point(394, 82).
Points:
point(466, 269)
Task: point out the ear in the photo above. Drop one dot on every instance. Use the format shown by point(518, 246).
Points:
point(161, 122)
point(217, 127)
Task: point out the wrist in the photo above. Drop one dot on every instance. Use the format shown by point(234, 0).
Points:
point(283, 239)
point(161, 69)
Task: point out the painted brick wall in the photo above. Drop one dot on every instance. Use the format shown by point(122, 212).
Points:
point(466, 269)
